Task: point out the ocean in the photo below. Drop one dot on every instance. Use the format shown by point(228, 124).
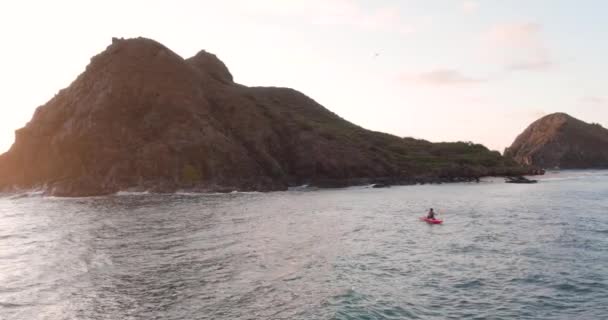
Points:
point(505, 251)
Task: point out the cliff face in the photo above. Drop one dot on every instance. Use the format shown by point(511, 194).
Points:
point(142, 117)
point(559, 140)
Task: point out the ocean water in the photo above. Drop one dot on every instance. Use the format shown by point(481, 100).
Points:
point(504, 252)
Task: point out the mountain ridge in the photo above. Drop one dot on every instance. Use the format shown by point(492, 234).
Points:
point(142, 117)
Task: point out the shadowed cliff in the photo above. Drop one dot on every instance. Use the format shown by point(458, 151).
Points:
point(142, 117)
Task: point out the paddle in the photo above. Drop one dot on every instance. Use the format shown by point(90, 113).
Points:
point(441, 214)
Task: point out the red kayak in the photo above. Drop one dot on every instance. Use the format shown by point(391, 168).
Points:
point(431, 221)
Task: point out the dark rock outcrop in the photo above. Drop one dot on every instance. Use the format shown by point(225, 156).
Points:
point(559, 140)
point(141, 117)
point(519, 180)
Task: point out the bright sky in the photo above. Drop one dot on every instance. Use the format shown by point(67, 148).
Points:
point(442, 70)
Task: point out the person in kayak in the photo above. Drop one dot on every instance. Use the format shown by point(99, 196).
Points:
point(431, 214)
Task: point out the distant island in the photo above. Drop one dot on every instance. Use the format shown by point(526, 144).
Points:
point(140, 117)
point(561, 141)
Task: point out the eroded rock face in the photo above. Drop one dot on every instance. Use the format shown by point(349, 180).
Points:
point(559, 140)
point(209, 64)
point(141, 117)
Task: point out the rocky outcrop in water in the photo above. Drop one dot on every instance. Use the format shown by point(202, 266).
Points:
point(141, 117)
point(559, 140)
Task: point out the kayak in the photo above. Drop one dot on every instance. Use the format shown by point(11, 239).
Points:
point(431, 221)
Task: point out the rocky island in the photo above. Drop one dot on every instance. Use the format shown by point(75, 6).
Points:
point(140, 117)
point(561, 141)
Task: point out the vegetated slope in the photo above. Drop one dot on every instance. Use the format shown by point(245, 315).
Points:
point(142, 117)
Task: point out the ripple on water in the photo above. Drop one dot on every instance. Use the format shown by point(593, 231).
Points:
point(503, 253)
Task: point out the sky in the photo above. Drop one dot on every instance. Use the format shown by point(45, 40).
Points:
point(440, 70)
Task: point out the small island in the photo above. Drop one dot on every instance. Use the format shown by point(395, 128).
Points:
point(561, 141)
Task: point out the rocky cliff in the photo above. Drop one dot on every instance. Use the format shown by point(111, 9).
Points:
point(559, 140)
point(141, 117)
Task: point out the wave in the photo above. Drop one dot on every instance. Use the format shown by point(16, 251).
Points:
point(132, 193)
point(38, 193)
point(188, 194)
point(298, 188)
point(245, 192)
point(199, 194)
point(202, 193)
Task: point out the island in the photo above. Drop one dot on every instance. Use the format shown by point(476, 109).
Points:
point(561, 141)
point(140, 117)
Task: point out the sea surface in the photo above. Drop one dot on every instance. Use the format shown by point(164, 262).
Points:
point(505, 251)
